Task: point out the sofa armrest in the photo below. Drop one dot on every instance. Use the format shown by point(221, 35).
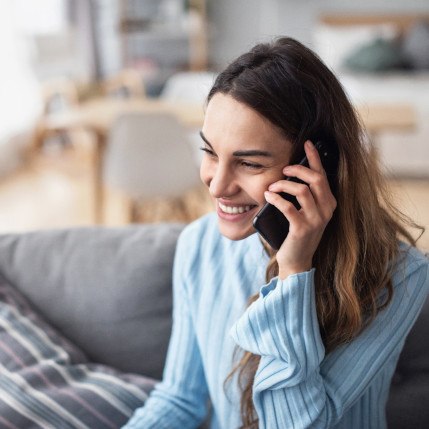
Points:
point(407, 406)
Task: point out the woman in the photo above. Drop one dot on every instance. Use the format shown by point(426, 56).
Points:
point(319, 342)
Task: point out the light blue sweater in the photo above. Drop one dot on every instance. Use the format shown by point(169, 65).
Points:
point(297, 385)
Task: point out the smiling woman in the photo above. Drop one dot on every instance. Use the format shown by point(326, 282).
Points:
point(244, 155)
point(319, 342)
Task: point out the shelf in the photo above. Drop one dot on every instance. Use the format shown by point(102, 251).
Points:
point(171, 34)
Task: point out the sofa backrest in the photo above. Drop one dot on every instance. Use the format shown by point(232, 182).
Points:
point(107, 289)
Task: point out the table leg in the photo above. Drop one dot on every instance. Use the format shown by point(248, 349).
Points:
point(98, 188)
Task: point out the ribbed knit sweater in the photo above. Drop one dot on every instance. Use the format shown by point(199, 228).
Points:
point(297, 385)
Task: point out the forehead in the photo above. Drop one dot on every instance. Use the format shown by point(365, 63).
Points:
point(231, 123)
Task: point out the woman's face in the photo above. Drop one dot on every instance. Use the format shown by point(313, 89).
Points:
point(244, 154)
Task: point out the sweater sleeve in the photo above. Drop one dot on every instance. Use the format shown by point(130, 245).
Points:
point(180, 400)
point(296, 384)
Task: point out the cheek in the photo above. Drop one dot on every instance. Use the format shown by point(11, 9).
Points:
point(260, 188)
point(264, 183)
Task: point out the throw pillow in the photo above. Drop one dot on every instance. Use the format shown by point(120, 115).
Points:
point(378, 55)
point(416, 46)
point(46, 381)
point(334, 43)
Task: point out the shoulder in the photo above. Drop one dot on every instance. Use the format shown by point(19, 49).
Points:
point(411, 268)
point(198, 233)
point(410, 259)
point(197, 241)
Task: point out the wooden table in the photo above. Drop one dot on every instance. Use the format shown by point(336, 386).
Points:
point(98, 115)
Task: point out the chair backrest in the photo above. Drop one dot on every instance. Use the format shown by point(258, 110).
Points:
point(191, 87)
point(148, 155)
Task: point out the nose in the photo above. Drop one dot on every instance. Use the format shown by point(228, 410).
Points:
point(220, 181)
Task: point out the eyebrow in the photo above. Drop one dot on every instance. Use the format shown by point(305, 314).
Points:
point(252, 152)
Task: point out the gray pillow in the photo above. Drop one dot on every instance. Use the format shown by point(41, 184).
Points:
point(416, 46)
point(106, 289)
point(377, 56)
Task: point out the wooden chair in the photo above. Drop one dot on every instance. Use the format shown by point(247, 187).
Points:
point(148, 157)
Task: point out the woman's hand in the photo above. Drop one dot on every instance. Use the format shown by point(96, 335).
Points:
point(307, 224)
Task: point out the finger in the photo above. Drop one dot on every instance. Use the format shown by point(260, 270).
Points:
point(303, 173)
point(317, 182)
point(301, 191)
point(286, 207)
point(300, 223)
point(316, 199)
point(313, 157)
point(312, 173)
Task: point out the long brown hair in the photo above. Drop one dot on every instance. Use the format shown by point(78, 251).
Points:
point(289, 85)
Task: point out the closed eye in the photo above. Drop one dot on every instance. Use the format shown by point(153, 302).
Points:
point(251, 165)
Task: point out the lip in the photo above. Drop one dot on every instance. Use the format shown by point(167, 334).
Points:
point(236, 217)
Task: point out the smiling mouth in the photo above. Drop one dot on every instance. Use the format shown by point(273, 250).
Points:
point(235, 209)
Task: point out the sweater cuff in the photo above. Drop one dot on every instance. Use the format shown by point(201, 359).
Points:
point(282, 323)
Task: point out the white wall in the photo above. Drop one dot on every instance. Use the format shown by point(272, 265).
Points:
point(242, 23)
point(20, 99)
point(239, 24)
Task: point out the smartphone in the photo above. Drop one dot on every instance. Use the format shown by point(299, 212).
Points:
point(270, 222)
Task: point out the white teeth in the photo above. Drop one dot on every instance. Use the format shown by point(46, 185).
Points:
point(235, 209)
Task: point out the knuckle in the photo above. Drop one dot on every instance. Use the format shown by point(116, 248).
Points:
point(333, 205)
point(303, 190)
point(319, 179)
point(287, 208)
point(319, 222)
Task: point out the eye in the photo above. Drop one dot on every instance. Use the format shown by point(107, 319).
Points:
point(251, 165)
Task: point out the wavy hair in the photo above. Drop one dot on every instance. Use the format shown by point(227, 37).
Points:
point(290, 86)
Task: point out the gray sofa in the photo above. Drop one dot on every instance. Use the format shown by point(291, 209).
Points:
point(104, 296)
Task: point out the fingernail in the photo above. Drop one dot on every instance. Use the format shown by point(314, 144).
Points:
point(267, 195)
point(309, 144)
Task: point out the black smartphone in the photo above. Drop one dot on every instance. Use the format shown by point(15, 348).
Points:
point(270, 222)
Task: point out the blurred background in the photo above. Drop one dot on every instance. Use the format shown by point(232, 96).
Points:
point(101, 100)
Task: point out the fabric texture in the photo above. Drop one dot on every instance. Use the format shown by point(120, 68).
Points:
point(47, 382)
point(297, 384)
point(106, 289)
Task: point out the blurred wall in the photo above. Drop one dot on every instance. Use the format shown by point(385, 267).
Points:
point(239, 24)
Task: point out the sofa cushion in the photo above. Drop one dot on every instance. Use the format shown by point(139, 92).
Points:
point(377, 56)
point(46, 381)
point(106, 289)
point(416, 46)
point(410, 384)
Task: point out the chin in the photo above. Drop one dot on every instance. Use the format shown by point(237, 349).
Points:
point(234, 232)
